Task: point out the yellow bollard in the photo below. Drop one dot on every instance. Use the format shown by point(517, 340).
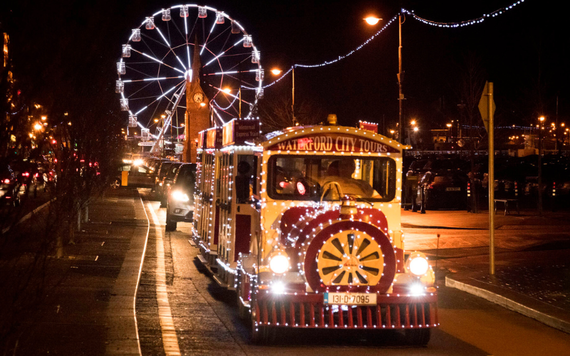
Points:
point(124, 178)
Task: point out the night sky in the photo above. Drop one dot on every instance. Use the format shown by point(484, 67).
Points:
point(65, 53)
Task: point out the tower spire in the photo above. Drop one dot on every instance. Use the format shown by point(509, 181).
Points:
point(197, 118)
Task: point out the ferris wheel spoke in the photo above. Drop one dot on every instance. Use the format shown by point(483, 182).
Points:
point(224, 52)
point(165, 44)
point(151, 79)
point(159, 61)
point(189, 62)
point(156, 100)
point(207, 38)
point(180, 61)
point(218, 115)
point(164, 38)
point(232, 72)
point(225, 110)
point(236, 97)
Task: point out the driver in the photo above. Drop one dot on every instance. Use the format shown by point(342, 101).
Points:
point(341, 171)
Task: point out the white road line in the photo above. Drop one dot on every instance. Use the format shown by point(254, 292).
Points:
point(139, 276)
point(169, 338)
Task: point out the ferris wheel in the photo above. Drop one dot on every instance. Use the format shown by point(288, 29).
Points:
point(172, 48)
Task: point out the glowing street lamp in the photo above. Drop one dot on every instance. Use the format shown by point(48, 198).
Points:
point(372, 20)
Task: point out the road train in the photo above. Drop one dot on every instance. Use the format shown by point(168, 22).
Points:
point(304, 225)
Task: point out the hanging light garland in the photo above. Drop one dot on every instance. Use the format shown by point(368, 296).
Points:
point(474, 21)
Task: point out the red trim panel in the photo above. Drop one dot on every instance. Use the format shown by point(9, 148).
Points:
point(309, 311)
point(243, 235)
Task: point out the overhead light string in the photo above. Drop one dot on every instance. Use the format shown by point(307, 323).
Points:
point(474, 21)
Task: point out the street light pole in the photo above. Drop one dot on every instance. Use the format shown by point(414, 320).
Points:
point(293, 95)
point(277, 71)
point(400, 95)
point(541, 120)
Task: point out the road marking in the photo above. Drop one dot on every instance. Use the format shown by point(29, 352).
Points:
point(169, 338)
point(139, 275)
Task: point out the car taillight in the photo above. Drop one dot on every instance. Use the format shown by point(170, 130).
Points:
point(6, 181)
point(26, 174)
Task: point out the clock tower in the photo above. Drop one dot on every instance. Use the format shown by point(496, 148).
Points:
point(197, 113)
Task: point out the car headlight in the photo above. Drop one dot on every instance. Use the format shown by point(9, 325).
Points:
point(180, 196)
point(279, 263)
point(417, 264)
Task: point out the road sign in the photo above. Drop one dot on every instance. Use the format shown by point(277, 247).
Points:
point(484, 104)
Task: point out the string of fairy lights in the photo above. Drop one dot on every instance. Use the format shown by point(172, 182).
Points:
point(457, 24)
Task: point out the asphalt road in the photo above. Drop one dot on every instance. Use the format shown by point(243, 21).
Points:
point(207, 323)
point(88, 300)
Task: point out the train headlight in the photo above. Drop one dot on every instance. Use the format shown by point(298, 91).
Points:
point(417, 264)
point(179, 196)
point(278, 287)
point(279, 263)
point(417, 289)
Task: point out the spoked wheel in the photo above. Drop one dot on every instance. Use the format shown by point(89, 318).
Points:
point(417, 337)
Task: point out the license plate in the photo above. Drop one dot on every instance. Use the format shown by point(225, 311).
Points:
point(350, 298)
point(453, 189)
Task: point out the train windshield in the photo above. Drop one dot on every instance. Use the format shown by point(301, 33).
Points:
point(328, 178)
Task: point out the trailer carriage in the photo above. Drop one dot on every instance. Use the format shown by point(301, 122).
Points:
point(304, 224)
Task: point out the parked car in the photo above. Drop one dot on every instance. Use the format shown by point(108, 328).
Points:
point(443, 185)
point(160, 174)
point(139, 176)
point(165, 182)
point(10, 187)
point(180, 197)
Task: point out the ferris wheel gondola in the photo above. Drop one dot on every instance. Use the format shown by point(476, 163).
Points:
point(158, 62)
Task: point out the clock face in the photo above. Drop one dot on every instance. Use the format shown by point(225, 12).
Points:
point(198, 97)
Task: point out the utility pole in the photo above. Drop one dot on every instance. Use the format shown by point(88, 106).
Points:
point(487, 110)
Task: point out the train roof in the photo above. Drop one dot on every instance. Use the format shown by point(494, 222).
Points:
point(330, 138)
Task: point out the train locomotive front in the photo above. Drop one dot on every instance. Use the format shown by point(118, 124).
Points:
point(326, 248)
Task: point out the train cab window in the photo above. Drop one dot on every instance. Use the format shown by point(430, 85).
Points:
point(245, 181)
point(302, 178)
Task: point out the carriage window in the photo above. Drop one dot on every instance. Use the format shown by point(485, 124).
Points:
point(309, 178)
point(245, 181)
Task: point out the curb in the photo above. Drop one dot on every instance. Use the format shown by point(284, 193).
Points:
point(524, 305)
point(29, 215)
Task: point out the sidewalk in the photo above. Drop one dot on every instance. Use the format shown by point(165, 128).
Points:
point(87, 304)
point(532, 272)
